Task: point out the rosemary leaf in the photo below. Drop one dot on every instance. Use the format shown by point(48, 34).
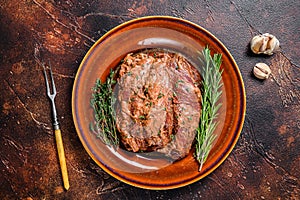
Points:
point(211, 84)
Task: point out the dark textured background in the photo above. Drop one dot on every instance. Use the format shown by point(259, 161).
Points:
point(265, 164)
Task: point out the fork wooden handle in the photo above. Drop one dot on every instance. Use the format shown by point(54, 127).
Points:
point(62, 158)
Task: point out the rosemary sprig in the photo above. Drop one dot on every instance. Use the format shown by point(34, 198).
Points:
point(103, 102)
point(211, 93)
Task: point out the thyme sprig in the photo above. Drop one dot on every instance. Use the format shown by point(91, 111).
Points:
point(211, 94)
point(103, 102)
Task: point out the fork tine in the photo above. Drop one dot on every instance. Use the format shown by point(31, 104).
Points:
point(46, 80)
point(53, 94)
point(52, 80)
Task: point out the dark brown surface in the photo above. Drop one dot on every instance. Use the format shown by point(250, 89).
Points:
point(265, 164)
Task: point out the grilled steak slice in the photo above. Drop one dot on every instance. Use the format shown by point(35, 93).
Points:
point(158, 103)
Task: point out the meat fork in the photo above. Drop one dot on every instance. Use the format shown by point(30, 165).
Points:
point(57, 131)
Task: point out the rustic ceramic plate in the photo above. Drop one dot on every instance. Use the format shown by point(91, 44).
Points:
point(177, 35)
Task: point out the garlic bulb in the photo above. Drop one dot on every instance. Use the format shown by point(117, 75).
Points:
point(264, 44)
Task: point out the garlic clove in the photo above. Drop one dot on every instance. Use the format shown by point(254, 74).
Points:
point(273, 44)
point(261, 71)
point(256, 43)
point(264, 45)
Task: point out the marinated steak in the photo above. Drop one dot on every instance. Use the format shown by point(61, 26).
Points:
point(158, 103)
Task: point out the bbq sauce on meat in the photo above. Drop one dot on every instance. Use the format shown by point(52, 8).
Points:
point(158, 103)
